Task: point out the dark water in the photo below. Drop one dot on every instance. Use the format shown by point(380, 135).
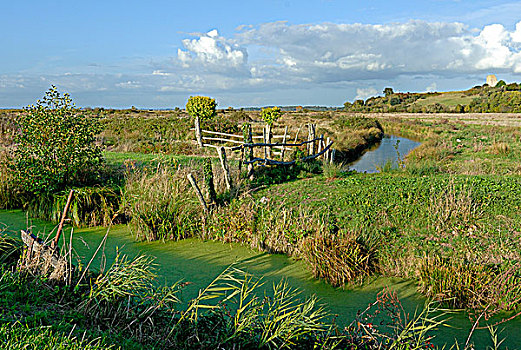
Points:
point(199, 262)
point(383, 152)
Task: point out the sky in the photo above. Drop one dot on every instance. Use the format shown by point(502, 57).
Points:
point(155, 54)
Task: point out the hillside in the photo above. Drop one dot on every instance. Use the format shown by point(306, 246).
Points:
point(503, 98)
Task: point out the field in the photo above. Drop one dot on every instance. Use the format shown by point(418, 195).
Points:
point(448, 219)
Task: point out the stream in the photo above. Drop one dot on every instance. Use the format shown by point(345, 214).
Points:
point(384, 151)
point(199, 262)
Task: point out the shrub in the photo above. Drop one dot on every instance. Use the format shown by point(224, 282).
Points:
point(201, 107)
point(55, 146)
point(270, 115)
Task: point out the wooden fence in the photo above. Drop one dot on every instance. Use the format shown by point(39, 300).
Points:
point(269, 145)
point(315, 147)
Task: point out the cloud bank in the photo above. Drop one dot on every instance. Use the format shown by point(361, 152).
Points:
point(281, 56)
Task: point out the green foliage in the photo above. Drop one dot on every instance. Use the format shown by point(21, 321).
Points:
point(125, 278)
point(388, 91)
point(271, 115)
point(55, 146)
point(201, 107)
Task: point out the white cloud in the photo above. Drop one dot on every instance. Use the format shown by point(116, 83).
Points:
point(273, 59)
point(159, 72)
point(344, 52)
point(364, 94)
point(432, 87)
point(212, 49)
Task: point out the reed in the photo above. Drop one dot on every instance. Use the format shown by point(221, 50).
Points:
point(90, 206)
point(161, 204)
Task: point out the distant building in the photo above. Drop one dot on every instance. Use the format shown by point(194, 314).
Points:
point(491, 80)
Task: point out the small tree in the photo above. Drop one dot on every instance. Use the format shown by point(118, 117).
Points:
point(270, 115)
point(388, 91)
point(55, 145)
point(200, 108)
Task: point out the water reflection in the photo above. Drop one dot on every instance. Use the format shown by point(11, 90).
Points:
point(385, 151)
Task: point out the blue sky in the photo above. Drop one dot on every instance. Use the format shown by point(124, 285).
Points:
point(154, 54)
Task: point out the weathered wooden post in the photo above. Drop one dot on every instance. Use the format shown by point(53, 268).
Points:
point(268, 140)
point(283, 142)
point(226, 167)
point(208, 182)
point(311, 138)
point(197, 192)
point(54, 243)
point(326, 155)
point(320, 142)
point(248, 139)
point(198, 136)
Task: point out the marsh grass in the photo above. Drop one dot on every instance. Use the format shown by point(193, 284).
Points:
point(499, 148)
point(90, 206)
point(17, 337)
point(338, 259)
point(161, 204)
point(478, 287)
point(333, 170)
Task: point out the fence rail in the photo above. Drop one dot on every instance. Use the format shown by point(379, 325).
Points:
point(247, 144)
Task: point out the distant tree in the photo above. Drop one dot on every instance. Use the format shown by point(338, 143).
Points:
point(393, 101)
point(201, 108)
point(347, 105)
point(388, 91)
point(55, 145)
point(270, 115)
point(501, 83)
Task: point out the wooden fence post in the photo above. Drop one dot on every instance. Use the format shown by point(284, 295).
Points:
point(54, 243)
point(326, 155)
point(198, 137)
point(283, 142)
point(225, 166)
point(311, 137)
point(250, 154)
point(208, 181)
point(197, 192)
point(268, 140)
point(320, 143)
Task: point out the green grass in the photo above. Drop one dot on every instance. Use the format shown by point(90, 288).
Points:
point(447, 99)
point(129, 158)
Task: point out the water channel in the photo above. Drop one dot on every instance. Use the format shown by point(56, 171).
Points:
point(199, 262)
point(390, 149)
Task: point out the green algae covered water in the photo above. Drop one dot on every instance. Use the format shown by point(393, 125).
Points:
point(199, 262)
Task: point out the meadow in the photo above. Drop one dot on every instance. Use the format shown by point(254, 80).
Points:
point(448, 218)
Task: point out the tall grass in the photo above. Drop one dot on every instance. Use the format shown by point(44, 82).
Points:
point(17, 337)
point(90, 206)
point(161, 204)
point(338, 259)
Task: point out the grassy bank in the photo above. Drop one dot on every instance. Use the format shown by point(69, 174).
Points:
point(124, 306)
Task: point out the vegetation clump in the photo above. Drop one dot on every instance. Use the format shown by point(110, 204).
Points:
point(270, 115)
point(55, 146)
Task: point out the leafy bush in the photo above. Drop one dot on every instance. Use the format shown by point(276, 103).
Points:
point(55, 146)
point(270, 115)
point(201, 107)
